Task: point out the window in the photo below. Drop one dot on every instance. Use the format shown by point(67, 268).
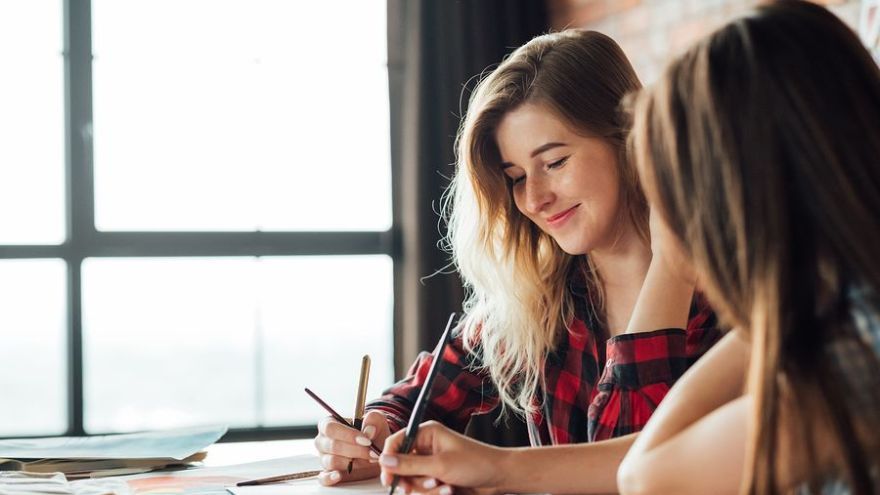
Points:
point(195, 220)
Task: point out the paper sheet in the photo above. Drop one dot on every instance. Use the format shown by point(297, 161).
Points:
point(311, 486)
point(15, 483)
point(213, 480)
point(175, 444)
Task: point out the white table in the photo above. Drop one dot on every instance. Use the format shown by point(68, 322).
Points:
point(225, 454)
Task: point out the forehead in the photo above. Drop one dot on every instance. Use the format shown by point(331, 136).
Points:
point(528, 126)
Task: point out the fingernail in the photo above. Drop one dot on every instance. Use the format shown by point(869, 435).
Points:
point(388, 460)
point(445, 490)
point(335, 476)
point(369, 431)
point(374, 455)
point(361, 440)
point(429, 483)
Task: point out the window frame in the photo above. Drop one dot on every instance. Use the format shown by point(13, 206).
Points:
point(85, 241)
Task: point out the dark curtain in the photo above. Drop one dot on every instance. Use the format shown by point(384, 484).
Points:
point(435, 48)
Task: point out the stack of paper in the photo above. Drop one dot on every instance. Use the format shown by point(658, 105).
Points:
point(16, 483)
point(103, 455)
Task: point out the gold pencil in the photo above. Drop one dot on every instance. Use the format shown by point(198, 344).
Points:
point(361, 400)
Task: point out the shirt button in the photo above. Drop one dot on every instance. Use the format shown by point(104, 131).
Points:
point(609, 362)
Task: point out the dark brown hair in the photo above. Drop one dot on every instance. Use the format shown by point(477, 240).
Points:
point(760, 147)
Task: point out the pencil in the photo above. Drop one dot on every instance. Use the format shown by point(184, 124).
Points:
point(415, 419)
point(279, 479)
point(361, 399)
point(339, 418)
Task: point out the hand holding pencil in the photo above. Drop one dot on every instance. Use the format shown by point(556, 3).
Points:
point(345, 451)
point(442, 458)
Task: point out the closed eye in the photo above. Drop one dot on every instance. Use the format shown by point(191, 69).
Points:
point(557, 163)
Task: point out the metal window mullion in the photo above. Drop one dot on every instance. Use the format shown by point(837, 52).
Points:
point(84, 241)
point(80, 188)
point(148, 244)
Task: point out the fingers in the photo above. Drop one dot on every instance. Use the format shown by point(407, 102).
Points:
point(419, 485)
point(375, 427)
point(424, 442)
point(362, 470)
point(329, 478)
point(329, 427)
point(412, 465)
point(327, 445)
point(339, 440)
point(427, 486)
point(339, 463)
point(393, 442)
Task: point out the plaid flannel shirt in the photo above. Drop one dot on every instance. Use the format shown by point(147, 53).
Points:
point(594, 387)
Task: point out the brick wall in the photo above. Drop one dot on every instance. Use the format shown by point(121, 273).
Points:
point(650, 31)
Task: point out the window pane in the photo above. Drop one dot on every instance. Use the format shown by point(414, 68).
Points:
point(33, 357)
point(242, 115)
point(319, 316)
point(167, 342)
point(31, 123)
point(170, 342)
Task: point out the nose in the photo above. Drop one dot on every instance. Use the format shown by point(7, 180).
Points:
point(538, 194)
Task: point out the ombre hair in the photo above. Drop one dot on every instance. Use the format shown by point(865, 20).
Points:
point(760, 147)
point(516, 277)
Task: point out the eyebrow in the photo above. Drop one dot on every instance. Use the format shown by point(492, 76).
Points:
point(537, 151)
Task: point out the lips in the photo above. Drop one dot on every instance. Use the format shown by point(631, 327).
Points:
point(561, 217)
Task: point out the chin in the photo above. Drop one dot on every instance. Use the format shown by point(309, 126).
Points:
point(574, 247)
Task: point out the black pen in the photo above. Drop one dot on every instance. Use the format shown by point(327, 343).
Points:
point(415, 419)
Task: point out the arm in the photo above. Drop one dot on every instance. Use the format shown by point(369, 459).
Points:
point(453, 459)
point(665, 298)
point(641, 368)
point(674, 465)
point(458, 391)
point(643, 363)
point(580, 468)
point(695, 442)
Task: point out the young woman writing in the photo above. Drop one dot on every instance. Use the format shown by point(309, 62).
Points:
point(574, 317)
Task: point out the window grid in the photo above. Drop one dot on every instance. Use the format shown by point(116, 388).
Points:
point(84, 241)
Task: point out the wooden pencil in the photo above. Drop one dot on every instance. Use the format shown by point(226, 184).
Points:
point(278, 479)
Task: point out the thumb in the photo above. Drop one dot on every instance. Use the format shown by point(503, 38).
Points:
point(375, 426)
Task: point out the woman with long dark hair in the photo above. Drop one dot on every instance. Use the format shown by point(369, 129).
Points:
point(760, 150)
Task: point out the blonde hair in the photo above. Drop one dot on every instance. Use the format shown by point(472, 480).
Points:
point(517, 298)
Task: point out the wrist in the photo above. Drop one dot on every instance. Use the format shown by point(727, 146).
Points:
point(673, 269)
point(505, 470)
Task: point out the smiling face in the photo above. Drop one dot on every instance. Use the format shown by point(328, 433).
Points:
point(566, 183)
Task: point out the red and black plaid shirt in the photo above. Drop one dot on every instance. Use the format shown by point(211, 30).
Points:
point(595, 387)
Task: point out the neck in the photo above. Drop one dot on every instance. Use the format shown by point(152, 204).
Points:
point(625, 260)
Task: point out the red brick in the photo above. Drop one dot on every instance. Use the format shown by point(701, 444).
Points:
point(684, 34)
point(634, 21)
point(588, 12)
point(621, 6)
